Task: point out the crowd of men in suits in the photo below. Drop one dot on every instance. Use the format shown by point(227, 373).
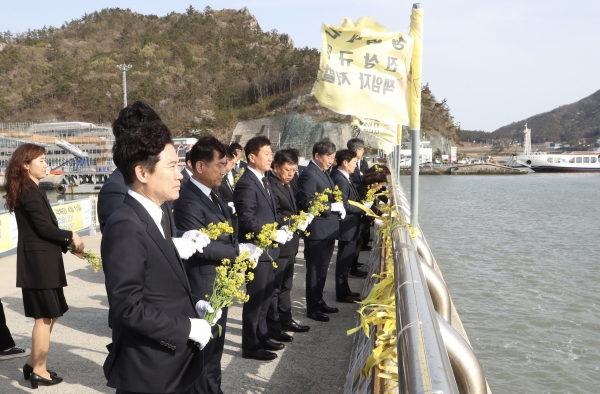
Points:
point(160, 268)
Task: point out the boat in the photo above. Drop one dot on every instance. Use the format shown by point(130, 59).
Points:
point(582, 161)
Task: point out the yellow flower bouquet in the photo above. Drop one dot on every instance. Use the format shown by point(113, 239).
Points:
point(92, 258)
point(265, 239)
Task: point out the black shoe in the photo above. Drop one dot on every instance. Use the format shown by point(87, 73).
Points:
point(359, 265)
point(358, 274)
point(328, 309)
point(349, 300)
point(318, 316)
point(355, 294)
point(261, 355)
point(272, 345)
point(281, 336)
point(366, 248)
point(295, 327)
point(36, 379)
point(28, 369)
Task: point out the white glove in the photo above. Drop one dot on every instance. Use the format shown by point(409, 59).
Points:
point(368, 204)
point(290, 234)
point(385, 215)
point(254, 251)
point(204, 306)
point(337, 206)
point(343, 213)
point(197, 236)
point(232, 206)
point(377, 223)
point(280, 237)
point(309, 217)
point(200, 332)
point(186, 247)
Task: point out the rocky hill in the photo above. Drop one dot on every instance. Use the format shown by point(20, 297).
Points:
point(202, 71)
point(573, 123)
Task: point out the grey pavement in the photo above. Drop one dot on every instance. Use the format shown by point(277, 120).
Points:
point(315, 362)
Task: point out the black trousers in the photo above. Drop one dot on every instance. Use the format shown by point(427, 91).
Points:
point(254, 312)
point(184, 391)
point(365, 234)
point(280, 310)
point(6, 340)
point(318, 255)
point(345, 256)
point(210, 379)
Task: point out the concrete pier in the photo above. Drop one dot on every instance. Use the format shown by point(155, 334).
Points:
point(315, 362)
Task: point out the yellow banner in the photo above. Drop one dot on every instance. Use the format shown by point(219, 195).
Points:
point(363, 71)
point(385, 133)
point(413, 93)
point(8, 232)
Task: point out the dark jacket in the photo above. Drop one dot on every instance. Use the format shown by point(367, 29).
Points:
point(350, 225)
point(40, 242)
point(185, 178)
point(255, 207)
point(226, 190)
point(194, 211)
point(313, 179)
point(287, 205)
point(113, 193)
point(357, 181)
point(151, 305)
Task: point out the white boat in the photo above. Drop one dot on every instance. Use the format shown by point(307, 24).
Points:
point(588, 161)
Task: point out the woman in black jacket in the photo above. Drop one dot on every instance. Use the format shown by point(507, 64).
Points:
point(40, 267)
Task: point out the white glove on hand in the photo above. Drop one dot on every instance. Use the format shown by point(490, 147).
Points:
point(232, 206)
point(280, 237)
point(368, 204)
point(337, 207)
point(200, 332)
point(254, 251)
point(290, 234)
point(343, 213)
point(186, 248)
point(204, 306)
point(197, 236)
point(309, 219)
point(377, 223)
point(385, 215)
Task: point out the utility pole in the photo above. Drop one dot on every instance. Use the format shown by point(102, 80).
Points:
point(124, 68)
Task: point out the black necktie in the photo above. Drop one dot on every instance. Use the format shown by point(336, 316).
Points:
point(289, 189)
point(266, 185)
point(165, 223)
point(215, 200)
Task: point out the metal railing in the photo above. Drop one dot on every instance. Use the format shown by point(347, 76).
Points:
point(432, 356)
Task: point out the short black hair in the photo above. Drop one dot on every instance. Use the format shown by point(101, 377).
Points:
point(140, 146)
point(235, 146)
point(285, 156)
point(230, 152)
point(203, 150)
point(323, 147)
point(355, 143)
point(187, 156)
point(132, 116)
point(255, 144)
point(344, 155)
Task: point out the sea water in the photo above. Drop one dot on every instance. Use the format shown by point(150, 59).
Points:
point(520, 256)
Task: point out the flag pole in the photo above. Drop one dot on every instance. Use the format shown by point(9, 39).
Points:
point(414, 110)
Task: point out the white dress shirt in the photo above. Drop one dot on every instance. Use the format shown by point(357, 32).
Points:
point(204, 189)
point(259, 175)
point(155, 211)
point(188, 171)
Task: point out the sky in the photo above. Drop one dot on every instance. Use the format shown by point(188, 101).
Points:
point(496, 62)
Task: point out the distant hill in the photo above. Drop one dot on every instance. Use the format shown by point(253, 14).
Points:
point(202, 71)
point(567, 123)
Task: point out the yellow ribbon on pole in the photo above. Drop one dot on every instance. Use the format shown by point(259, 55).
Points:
point(413, 91)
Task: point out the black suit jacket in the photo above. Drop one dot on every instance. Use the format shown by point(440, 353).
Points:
point(313, 179)
point(226, 189)
point(186, 177)
point(40, 242)
point(255, 207)
point(194, 211)
point(357, 180)
point(350, 225)
point(287, 206)
point(113, 193)
point(150, 303)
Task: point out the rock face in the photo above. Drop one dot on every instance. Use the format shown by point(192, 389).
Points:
point(252, 23)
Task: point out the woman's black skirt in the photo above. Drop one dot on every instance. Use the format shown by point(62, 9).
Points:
point(48, 303)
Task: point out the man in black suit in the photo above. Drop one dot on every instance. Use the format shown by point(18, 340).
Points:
point(324, 229)
point(256, 206)
point(349, 226)
point(187, 170)
point(239, 163)
point(158, 330)
point(279, 317)
point(226, 187)
point(197, 207)
point(358, 146)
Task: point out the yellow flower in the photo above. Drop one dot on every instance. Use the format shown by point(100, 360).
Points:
point(337, 194)
point(214, 231)
point(370, 197)
point(92, 258)
point(237, 177)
